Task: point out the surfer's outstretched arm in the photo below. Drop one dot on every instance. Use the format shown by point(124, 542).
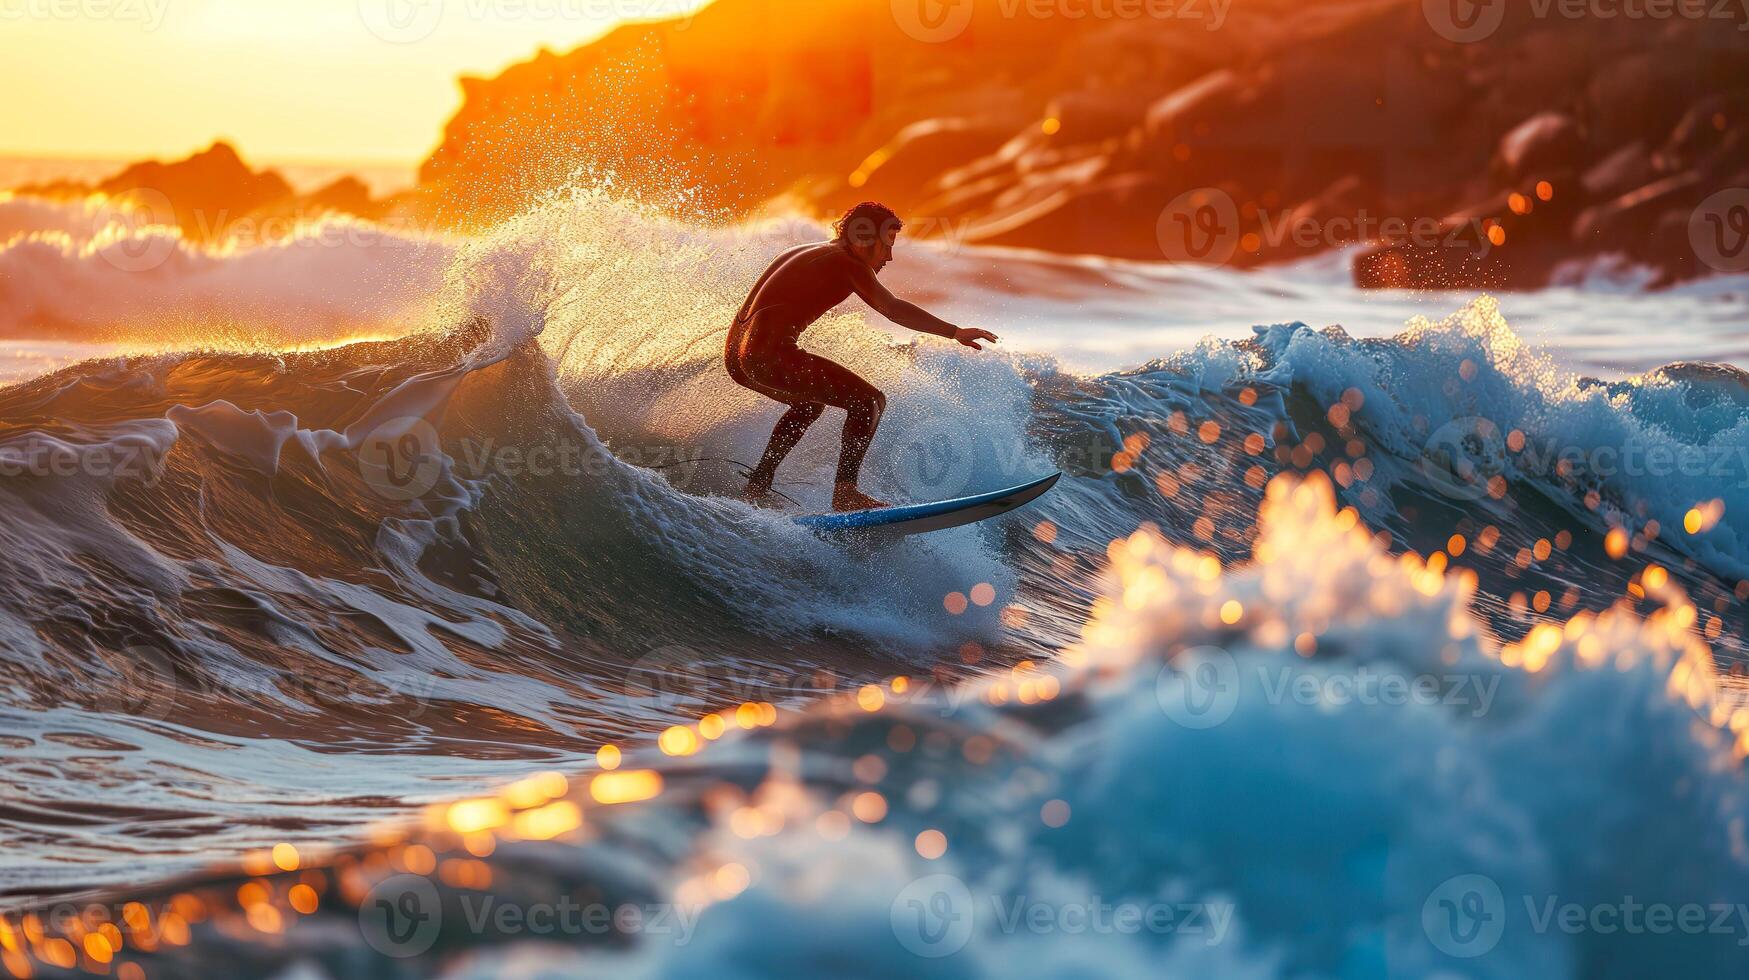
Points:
point(910, 315)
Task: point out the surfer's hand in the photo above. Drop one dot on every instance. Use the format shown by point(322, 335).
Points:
point(971, 335)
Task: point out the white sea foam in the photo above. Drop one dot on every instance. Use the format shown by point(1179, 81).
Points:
point(1201, 754)
point(83, 270)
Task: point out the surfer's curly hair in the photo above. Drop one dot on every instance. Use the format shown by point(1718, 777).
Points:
point(864, 223)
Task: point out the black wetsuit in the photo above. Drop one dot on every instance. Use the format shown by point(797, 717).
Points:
point(762, 351)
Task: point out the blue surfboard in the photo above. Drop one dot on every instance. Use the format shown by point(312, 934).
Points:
point(942, 514)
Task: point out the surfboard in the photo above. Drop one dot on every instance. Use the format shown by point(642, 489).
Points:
point(937, 516)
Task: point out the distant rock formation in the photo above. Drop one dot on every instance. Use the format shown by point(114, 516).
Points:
point(211, 194)
point(1306, 124)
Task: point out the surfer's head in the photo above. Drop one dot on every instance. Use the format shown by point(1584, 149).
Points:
point(868, 230)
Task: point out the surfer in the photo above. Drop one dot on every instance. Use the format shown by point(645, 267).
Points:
point(798, 288)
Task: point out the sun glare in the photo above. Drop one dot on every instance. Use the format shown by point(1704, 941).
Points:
point(284, 80)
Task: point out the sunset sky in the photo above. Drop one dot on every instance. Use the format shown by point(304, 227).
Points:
point(312, 80)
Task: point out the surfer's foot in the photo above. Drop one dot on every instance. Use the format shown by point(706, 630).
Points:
point(759, 493)
point(845, 497)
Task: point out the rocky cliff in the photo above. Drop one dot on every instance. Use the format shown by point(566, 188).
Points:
point(1467, 153)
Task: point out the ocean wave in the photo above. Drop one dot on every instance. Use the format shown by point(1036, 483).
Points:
point(96, 270)
point(1663, 456)
point(511, 533)
point(1316, 764)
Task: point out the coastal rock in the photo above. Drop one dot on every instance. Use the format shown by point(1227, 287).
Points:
point(215, 184)
point(1621, 171)
point(348, 195)
point(1615, 225)
point(915, 156)
point(1546, 143)
point(1094, 115)
point(1074, 134)
point(1080, 216)
point(1643, 92)
point(214, 193)
point(1708, 124)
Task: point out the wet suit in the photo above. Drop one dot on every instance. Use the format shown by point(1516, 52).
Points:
point(762, 352)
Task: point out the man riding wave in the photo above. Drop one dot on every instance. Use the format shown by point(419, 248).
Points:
point(798, 288)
